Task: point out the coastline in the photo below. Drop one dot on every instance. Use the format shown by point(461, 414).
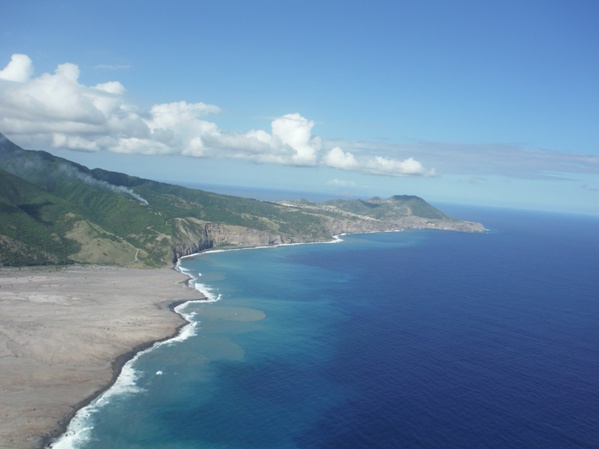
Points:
point(117, 367)
point(54, 359)
point(41, 439)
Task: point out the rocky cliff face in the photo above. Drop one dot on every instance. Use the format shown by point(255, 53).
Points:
point(189, 237)
point(193, 236)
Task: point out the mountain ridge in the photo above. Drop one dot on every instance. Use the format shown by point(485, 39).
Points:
point(55, 211)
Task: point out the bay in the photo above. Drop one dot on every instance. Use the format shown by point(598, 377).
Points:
point(424, 339)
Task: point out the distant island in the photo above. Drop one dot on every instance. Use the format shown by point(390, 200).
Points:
point(55, 212)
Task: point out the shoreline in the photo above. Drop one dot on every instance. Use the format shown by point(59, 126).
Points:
point(121, 360)
point(335, 239)
point(117, 363)
point(55, 359)
point(117, 368)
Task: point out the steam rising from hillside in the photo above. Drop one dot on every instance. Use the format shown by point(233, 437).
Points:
point(98, 183)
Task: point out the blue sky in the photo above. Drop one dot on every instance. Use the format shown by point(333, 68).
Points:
point(476, 102)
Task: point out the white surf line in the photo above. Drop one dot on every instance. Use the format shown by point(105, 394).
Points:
point(79, 428)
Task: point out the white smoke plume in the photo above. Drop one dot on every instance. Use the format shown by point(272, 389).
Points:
point(93, 182)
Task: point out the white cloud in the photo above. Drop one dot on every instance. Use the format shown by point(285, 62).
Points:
point(380, 165)
point(337, 158)
point(53, 102)
point(112, 87)
point(290, 143)
point(20, 69)
point(294, 132)
point(57, 110)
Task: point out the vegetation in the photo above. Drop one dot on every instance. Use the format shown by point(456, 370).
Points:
point(54, 211)
point(33, 224)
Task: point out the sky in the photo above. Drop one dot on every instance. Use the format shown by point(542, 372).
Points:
point(472, 102)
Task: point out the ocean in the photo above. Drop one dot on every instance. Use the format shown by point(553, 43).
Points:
point(414, 339)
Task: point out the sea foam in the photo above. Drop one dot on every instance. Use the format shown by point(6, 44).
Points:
point(79, 429)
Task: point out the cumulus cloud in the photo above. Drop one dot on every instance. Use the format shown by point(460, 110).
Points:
point(377, 165)
point(20, 69)
point(380, 165)
point(295, 132)
point(337, 158)
point(57, 110)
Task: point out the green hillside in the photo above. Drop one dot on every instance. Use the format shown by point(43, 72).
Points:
point(54, 211)
point(33, 224)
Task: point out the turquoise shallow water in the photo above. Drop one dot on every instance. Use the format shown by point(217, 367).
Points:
point(415, 339)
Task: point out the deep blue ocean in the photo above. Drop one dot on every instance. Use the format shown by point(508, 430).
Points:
point(415, 339)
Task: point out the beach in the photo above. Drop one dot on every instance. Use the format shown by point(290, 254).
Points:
point(64, 334)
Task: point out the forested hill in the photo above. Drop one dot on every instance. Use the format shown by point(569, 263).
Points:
point(54, 211)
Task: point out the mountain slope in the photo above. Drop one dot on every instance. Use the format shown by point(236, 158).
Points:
point(54, 211)
point(33, 224)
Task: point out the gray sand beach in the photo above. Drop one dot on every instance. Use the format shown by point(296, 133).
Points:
point(65, 331)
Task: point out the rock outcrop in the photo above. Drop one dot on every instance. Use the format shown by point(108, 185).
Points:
point(192, 236)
